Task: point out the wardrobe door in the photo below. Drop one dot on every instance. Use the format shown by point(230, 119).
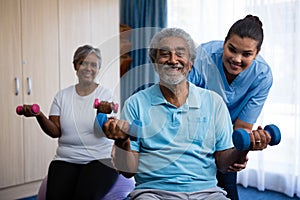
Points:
point(11, 125)
point(40, 80)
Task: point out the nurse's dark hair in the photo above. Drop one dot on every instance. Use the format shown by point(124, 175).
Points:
point(83, 51)
point(249, 27)
point(169, 32)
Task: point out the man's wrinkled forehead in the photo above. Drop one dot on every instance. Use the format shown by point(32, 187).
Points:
point(173, 44)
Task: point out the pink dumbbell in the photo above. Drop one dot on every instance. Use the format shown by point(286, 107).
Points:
point(35, 108)
point(113, 106)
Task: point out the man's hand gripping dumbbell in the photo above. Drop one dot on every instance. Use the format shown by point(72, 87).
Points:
point(104, 108)
point(258, 139)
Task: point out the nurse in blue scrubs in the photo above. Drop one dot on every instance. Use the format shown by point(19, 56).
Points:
point(234, 69)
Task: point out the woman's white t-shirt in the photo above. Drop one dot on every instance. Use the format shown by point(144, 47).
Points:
point(79, 143)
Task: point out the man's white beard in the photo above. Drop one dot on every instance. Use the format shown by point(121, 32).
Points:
point(171, 80)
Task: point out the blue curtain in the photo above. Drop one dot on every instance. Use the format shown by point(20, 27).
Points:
point(145, 17)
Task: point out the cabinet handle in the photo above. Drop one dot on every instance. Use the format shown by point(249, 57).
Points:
point(29, 85)
point(17, 86)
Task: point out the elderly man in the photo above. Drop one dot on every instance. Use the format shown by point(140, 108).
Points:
point(186, 132)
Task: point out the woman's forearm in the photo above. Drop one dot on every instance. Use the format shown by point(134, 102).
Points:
point(50, 126)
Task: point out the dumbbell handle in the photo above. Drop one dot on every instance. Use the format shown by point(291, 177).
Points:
point(35, 108)
point(241, 138)
point(134, 128)
point(113, 106)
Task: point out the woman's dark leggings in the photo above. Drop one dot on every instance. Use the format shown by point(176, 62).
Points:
point(227, 181)
point(80, 181)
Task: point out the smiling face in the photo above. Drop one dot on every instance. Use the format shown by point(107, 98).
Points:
point(87, 69)
point(172, 60)
point(238, 55)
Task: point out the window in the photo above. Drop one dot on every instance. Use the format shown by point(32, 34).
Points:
point(211, 20)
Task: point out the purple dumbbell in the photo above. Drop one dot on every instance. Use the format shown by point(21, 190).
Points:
point(241, 138)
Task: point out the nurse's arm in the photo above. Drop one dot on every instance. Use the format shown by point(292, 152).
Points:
point(242, 124)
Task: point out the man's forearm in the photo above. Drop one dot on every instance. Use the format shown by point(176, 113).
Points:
point(226, 158)
point(124, 159)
